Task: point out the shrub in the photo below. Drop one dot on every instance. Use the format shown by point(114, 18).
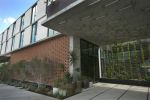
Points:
point(42, 90)
point(4, 72)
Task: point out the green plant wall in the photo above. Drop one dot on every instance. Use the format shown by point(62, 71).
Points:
point(125, 60)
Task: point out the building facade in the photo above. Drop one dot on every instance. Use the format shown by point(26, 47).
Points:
point(28, 37)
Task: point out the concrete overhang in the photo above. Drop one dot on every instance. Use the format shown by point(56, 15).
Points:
point(105, 21)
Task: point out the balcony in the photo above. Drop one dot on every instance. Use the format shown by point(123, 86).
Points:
point(57, 6)
point(101, 21)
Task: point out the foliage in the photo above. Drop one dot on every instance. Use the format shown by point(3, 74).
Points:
point(67, 77)
point(4, 72)
point(42, 90)
point(73, 57)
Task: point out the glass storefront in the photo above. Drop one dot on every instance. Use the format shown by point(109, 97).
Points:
point(89, 60)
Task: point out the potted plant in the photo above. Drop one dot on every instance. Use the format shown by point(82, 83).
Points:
point(62, 89)
point(78, 86)
point(70, 85)
point(56, 87)
point(85, 82)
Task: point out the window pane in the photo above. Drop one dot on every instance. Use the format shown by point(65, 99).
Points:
point(50, 32)
point(34, 29)
point(56, 32)
point(13, 42)
point(34, 9)
point(22, 23)
point(50, 1)
point(22, 39)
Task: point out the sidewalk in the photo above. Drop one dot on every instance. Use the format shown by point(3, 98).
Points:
point(106, 91)
point(100, 91)
point(13, 93)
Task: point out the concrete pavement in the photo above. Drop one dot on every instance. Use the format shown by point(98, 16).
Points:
point(106, 91)
point(13, 93)
point(100, 91)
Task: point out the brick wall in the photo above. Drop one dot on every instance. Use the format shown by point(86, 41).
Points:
point(55, 48)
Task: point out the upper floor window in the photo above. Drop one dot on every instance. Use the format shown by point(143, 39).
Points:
point(34, 11)
point(13, 43)
point(22, 23)
point(50, 1)
point(14, 26)
point(50, 32)
point(21, 39)
point(34, 33)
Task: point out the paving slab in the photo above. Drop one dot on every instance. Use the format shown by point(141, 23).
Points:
point(13, 93)
point(135, 93)
point(92, 92)
point(113, 94)
point(106, 91)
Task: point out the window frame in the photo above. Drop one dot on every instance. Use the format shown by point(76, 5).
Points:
point(33, 40)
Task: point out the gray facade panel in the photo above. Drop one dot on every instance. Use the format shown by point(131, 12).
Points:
point(27, 19)
point(17, 26)
point(27, 36)
point(10, 31)
point(41, 9)
point(5, 36)
point(41, 30)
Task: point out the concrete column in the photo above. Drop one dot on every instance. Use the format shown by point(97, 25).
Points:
point(75, 47)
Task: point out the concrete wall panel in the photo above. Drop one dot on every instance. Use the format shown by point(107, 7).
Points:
point(41, 30)
point(27, 19)
point(17, 26)
point(41, 9)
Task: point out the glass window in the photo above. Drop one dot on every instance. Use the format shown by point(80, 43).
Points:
point(13, 42)
point(34, 31)
point(3, 48)
point(9, 43)
point(22, 23)
point(34, 11)
point(16, 42)
point(14, 26)
point(50, 32)
point(50, 1)
point(21, 39)
point(56, 32)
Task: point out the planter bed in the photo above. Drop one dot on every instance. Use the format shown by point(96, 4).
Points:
point(33, 87)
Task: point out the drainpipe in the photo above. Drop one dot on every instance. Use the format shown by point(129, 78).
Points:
point(100, 66)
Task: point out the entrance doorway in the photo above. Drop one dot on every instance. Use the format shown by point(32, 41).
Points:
point(89, 60)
